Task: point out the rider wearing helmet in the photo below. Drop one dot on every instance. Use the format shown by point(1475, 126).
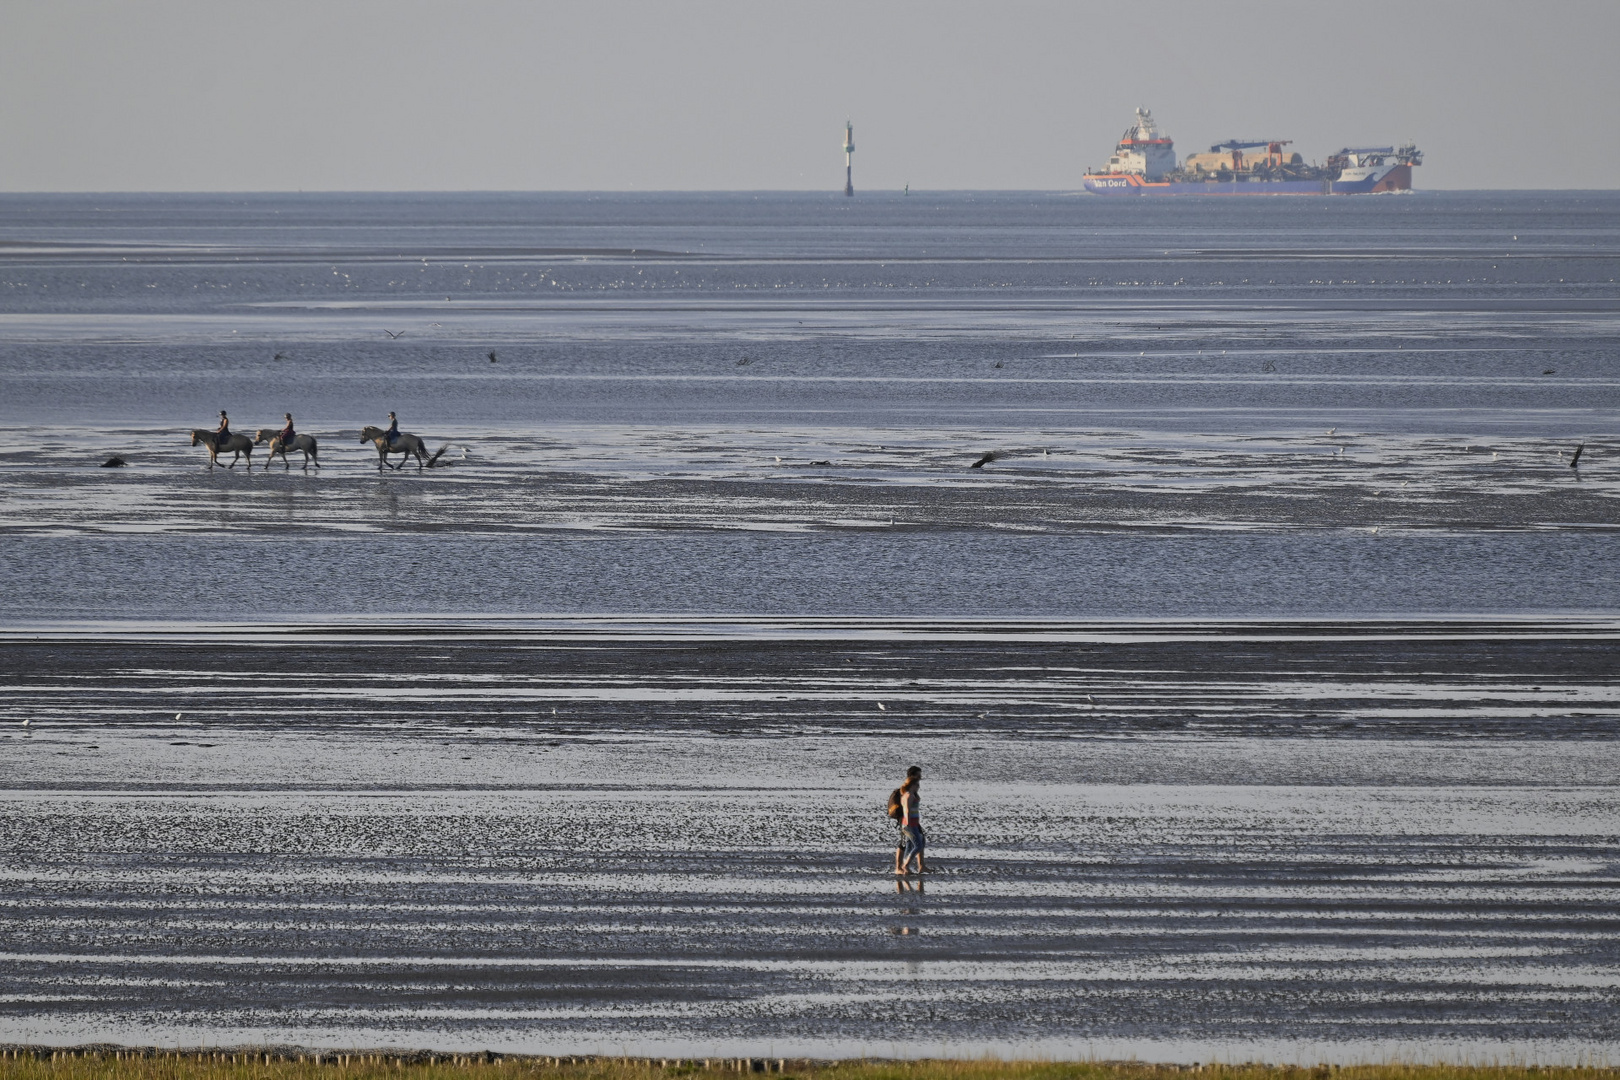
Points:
point(392, 434)
point(222, 432)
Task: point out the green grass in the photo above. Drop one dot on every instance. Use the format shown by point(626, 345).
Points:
point(170, 1065)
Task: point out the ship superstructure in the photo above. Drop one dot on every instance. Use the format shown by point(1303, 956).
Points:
point(1144, 163)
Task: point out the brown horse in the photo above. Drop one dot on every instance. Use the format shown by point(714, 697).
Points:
point(306, 443)
point(404, 445)
point(232, 443)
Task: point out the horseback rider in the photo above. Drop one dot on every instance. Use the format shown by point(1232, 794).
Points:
point(222, 432)
point(392, 434)
point(287, 434)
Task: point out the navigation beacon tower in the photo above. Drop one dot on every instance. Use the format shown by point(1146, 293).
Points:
point(849, 149)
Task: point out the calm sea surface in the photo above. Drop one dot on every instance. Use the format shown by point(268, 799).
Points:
point(1222, 562)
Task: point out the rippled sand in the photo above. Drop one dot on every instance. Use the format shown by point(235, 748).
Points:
point(1175, 839)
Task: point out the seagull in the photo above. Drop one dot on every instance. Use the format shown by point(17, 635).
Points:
point(1331, 430)
point(391, 336)
point(779, 461)
point(880, 705)
point(1375, 529)
point(744, 362)
point(279, 356)
point(998, 363)
point(1494, 455)
point(179, 716)
point(983, 461)
point(25, 723)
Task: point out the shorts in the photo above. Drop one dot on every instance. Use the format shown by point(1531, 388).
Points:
point(912, 841)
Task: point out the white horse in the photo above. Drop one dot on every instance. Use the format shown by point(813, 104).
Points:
point(404, 445)
point(232, 443)
point(306, 443)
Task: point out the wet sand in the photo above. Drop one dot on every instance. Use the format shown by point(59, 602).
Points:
point(579, 742)
point(1307, 840)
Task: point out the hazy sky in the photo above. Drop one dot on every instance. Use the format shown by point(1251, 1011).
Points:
point(712, 94)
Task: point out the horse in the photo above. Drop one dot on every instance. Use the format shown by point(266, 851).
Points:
point(233, 443)
point(404, 445)
point(306, 443)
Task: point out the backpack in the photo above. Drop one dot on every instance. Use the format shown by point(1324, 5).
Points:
point(897, 806)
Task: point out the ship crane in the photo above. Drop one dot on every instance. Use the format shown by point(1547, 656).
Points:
point(1273, 147)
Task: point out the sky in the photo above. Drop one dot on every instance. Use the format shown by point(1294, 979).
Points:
point(228, 95)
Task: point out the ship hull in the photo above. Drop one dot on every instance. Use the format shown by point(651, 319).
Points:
point(1368, 181)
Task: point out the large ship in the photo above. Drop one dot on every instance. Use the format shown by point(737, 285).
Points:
point(1144, 163)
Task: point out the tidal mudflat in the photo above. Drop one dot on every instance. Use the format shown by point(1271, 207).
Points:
point(1264, 672)
point(1184, 841)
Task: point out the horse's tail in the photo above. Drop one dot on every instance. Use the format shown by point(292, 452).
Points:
point(437, 454)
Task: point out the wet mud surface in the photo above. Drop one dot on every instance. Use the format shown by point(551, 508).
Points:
point(1170, 838)
point(579, 741)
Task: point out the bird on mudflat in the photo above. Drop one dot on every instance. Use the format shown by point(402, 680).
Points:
point(983, 461)
point(492, 358)
point(391, 335)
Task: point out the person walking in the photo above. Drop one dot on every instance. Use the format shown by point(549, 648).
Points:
point(912, 839)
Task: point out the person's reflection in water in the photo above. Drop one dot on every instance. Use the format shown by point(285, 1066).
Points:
point(907, 887)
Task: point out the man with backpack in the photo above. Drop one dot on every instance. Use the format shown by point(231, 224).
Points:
point(904, 803)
